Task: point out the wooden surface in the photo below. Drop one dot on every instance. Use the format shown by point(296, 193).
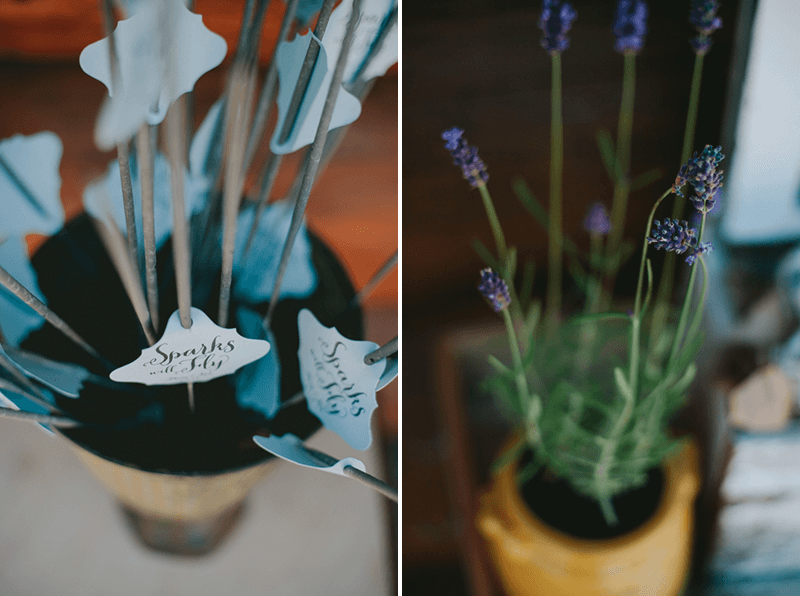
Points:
point(57, 30)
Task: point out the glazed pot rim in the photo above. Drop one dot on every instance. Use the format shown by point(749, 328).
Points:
point(680, 484)
point(164, 472)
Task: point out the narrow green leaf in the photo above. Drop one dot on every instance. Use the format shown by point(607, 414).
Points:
point(605, 143)
point(539, 213)
point(683, 383)
point(511, 264)
point(509, 456)
point(649, 287)
point(591, 402)
point(529, 201)
point(622, 384)
point(646, 178)
point(578, 273)
point(527, 282)
point(532, 320)
point(499, 366)
point(598, 317)
point(529, 472)
point(485, 254)
point(689, 352)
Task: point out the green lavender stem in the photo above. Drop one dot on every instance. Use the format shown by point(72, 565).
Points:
point(637, 305)
point(622, 174)
point(698, 315)
point(502, 251)
point(593, 294)
point(661, 309)
point(494, 222)
point(516, 357)
point(612, 442)
point(677, 340)
point(556, 172)
point(594, 290)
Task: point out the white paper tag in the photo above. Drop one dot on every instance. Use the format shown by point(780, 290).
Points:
point(31, 185)
point(290, 56)
point(290, 448)
point(258, 385)
point(62, 377)
point(154, 68)
point(201, 353)
point(339, 387)
point(370, 22)
point(17, 319)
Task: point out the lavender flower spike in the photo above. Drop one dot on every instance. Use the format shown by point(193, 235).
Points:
point(673, 236)
point(494, 289)
point(630, 25)
point(703, 15)
point(701, 172)
point(465, 157)
point(705, 247)
point(556, 20)
point(597, 220)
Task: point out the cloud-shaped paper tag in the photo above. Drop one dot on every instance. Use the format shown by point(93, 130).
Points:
point(255, 276)
point(339, 387)
point(258, 385)
point(290, 448)
point(290, 56)
point(62, 377)
point(17, 319)
point(200, 353)
point(30, 185)
point(375, 16)
point(161, 51)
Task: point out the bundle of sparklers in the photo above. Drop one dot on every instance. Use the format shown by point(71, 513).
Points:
point(193, 197)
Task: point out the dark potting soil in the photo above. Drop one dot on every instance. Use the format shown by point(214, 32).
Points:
point(83, 288)
point(561, 507)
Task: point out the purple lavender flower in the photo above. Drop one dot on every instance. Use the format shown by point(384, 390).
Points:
point(630, 25)
point(704, 248)
point(494, 289)
point(597, 221)
point(465, 157)
point(673, 236)
point(556, 20)
point(701, 172)
point(703, 15)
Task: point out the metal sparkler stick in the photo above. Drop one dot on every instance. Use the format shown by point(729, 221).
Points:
point(314, 159)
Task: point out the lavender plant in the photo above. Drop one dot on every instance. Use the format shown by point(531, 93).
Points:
point(594, 394)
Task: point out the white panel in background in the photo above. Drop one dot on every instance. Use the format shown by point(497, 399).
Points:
point(764, 173)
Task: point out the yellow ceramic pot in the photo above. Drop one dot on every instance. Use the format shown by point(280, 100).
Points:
point(532, 558)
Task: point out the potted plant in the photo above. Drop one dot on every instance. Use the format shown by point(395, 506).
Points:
point(593, 494)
